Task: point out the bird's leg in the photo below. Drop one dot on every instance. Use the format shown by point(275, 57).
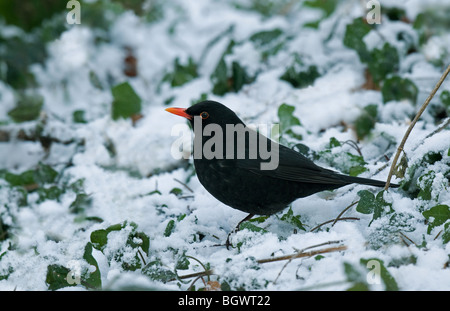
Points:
point(248, 217)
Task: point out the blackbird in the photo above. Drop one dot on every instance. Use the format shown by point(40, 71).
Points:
point(230, 164)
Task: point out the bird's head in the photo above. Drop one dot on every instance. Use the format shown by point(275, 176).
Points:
point(208, 112)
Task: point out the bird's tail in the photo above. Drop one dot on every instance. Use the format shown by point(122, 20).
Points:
point(367, 181)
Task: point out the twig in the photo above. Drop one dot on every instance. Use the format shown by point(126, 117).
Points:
point(354, 145)
point(186, 186)
point(304, 254)
point(402, 235)
point(194, 275)
point(302, 251)
point(341, 213)
point(333, 221)
point(413, 123)
point(443, 125)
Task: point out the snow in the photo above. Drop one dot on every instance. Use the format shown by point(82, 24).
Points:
point(46, 232)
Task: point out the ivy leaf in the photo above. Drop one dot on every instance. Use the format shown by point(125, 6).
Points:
point(251, 227)
point(155, 271)
point(327, 7)
point(45, 174)
point(353, 38)
point(425, 185)
point(293, 220)
point(397, 88)
point(366, 202)
point(437, 215)
point(286, 117)
point(56, 277)
point(369, 203)
point(265, 37)
point(23, 179)
point(366, 121)
point(299, 75)
point(182, 73)
point(92, 279)
point(379, 268)
point(383, 62)
point(446, 234)
point(126, 102)
point(99, 238)
point(28, 108)
point(355, 276)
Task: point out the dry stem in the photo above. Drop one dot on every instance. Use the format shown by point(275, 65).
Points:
point(413, 123)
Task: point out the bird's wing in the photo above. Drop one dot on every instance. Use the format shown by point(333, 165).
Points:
point(292, 166)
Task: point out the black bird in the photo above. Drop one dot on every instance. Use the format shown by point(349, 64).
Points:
point(234, 175)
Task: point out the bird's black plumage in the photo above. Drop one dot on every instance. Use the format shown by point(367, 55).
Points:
point(238, 181)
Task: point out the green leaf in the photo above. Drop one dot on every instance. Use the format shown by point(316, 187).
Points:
point(28, 108)
point(343, 161)
point(26, 18)
point(56, 277)
point(169, 228)
point(445, 99)
point(91, 279)
point(397, 88)
point(357, 170)
point(425, 185)
point(99, 238)
point(383, 62)
point(23, 179)
point(231, 79)
point(81, 202)
point(182, 263)
point(265, 37)
point(388, 280)
point(176, 191)
point(45, 174)
point(334, 143)
point(239, 77)
point(78, 116)
point(135, 240)
point(366, 201)
point(286, 117)
point(51, 193)
point(369, 203)
point(355, 276)
point(139, 239)
point(155, 271)
point(126, 102)
point(299, 75)
point(293, 220)
point(381, 206)
point(446, 234)
point(437, 215)
point(353, 38)
point(327, 7)
point(182, 73)
point(251, 227)
point(366, 121)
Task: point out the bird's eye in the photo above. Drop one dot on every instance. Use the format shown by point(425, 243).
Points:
point(204, 115)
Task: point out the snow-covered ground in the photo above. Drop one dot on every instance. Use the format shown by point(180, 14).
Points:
point(128, 172)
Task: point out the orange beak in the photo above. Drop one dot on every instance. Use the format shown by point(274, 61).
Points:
point(180, 112)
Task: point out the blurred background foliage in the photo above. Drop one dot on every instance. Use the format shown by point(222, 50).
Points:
point(39, 22)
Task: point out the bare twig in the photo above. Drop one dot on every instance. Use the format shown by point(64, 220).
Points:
point(182, 183)
point(413, 123)
point(304, 254)
point(302, 251)
point(333, 221)
point(195, 275)
point(403, 237)
point(443, 125)
point(341, 213)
